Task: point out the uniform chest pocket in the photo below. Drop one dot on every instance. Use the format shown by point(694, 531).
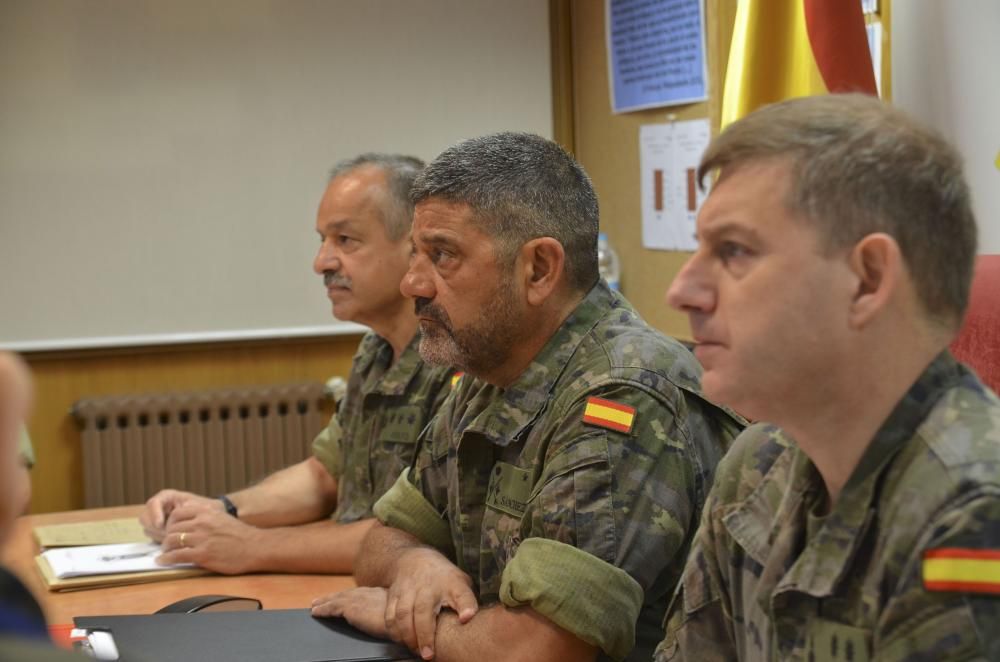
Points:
point(401, 425)
point(507, 494)
point(393, 445)
point(829, 641)
point(509, 489)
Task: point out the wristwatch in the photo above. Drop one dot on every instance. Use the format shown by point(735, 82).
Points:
point(228, 504)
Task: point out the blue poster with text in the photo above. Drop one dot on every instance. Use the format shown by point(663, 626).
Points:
point(656, 53)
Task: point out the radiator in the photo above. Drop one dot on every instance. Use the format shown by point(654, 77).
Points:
point(207, 442)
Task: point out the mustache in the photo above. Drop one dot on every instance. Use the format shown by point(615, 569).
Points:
point(424, 307)
point(334, 279)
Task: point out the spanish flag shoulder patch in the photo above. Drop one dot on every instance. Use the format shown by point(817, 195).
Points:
point(456, 378)
point(608, 414)
point(962, 570)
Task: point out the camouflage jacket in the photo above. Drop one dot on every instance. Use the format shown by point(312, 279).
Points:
point(546, 497)
point(769, 579)
point(373, 435)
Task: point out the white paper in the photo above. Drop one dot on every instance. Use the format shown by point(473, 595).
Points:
point(668, 160)
point(106, 559)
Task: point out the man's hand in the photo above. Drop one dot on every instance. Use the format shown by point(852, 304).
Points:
point(425, 583)
point(364, 608)
point(210, 539)
point(154, 517)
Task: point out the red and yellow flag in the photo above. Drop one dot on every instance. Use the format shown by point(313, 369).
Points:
point(962, 570)
point(795, 48)
point(608, 414)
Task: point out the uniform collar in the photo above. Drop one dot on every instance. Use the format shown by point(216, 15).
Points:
point(826, 558)
point(382, 378)
point(507, 411)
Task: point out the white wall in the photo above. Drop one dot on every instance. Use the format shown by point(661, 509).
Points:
point(161, 160)
point(946, 71)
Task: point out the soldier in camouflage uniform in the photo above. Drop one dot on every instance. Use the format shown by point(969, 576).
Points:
point(863, 521)
point(373, 435)
point(284, 523)
point(559, 486)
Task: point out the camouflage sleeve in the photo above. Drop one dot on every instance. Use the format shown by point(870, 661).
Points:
point(603, 601)
point(698, 626)
point(429, 473)
point(624, 496)
point(948, 611)
point(326, 447)
point(417, 502)
point(404, 507)
point(699, 621)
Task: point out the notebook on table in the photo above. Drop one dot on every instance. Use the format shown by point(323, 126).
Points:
point(56, 583)
point(100, 532)
point(65, 546)
point(243, 636)
point(91, 566)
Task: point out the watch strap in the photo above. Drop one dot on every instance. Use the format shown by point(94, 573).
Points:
point(229, 505)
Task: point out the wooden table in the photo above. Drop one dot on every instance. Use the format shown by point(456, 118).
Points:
point(275, 591)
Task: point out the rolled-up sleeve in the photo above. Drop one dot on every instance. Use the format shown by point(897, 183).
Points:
point(326, 447)
point(575, 590)
point(404, 507)
point(609, 522)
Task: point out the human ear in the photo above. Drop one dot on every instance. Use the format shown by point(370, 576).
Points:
point(877, 264)
point(543, 260)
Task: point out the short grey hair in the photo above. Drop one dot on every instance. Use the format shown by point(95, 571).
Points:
point(859, 166)
point(400, 172)
point(520, 187)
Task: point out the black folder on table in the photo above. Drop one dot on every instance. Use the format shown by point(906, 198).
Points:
point(277, 635)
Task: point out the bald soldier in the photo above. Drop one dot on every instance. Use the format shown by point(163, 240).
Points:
point(311, 516)
point(862, 520)
point(549, 509)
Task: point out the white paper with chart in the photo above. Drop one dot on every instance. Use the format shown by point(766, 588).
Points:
point(668, 162)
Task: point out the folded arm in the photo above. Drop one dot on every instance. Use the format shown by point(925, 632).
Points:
point(380, 551)
point(420, 583)
point(495, 633)
point(500, 633)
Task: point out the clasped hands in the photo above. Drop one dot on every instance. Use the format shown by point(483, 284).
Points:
point(426, 582)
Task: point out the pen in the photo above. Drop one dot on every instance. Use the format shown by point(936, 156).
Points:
point(124, 557)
